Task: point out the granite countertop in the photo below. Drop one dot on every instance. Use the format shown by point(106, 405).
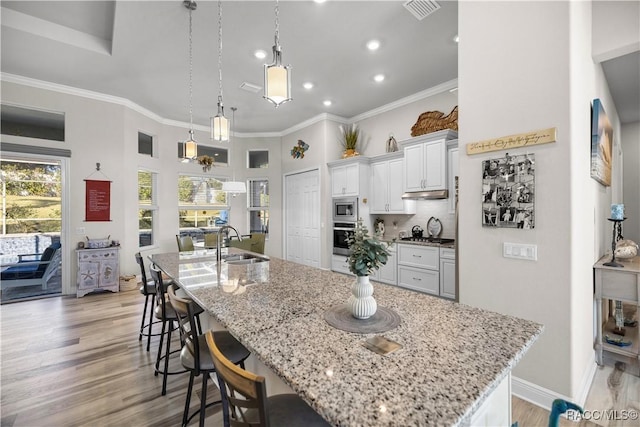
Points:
point(425, 243)
point(453, 355)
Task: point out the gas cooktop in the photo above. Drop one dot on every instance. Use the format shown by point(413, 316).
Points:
point(427, 240)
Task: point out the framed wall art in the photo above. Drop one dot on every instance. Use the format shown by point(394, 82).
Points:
point(601, 144)
point(508, 190)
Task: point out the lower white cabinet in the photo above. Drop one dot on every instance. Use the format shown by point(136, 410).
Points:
point(448, 273)
point(339, 264)
point(98, 269)
point(388, 273)
point(418, 268)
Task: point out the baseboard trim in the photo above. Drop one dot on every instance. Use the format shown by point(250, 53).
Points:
point(544, 397)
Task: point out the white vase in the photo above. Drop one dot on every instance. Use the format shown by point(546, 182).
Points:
point(361, 301)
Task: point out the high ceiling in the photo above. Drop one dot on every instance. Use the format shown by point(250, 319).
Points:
point(138, 50)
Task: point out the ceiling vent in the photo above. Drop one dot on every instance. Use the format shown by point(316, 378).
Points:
point(421, 8)
point(250, 87)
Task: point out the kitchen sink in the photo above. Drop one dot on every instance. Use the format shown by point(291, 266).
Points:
point(243, 258)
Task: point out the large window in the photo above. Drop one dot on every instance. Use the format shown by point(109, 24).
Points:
point(201, 202)
point(258, 206)
point(147, 207)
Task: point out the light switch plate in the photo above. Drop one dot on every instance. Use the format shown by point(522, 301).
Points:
point(520, 251)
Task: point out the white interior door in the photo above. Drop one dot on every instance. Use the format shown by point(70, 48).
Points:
point(302, 217)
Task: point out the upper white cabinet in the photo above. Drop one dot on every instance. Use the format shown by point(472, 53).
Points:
point(386, 185)
point(425, 161)
point(349, 177)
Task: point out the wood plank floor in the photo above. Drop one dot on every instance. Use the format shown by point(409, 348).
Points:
point(78, 362)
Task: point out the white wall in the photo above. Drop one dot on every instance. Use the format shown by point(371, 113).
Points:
point(631, 149)
point(615, 28)
point(534, 79)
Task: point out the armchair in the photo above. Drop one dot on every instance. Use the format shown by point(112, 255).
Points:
point(32, 272)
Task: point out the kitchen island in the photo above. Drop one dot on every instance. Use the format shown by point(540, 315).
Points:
point(453, 357)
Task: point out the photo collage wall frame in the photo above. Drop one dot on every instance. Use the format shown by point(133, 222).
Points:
point(508, 190)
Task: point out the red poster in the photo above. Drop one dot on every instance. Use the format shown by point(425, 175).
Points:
point(98, 200)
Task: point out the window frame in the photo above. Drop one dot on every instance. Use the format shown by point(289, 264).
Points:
point(252, 150)
point(153, 206)
point(203, 207)
point(251, 208)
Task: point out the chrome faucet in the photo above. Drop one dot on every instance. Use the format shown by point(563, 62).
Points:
point(218, 246)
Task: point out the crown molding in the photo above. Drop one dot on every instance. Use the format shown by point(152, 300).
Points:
point(40, 84)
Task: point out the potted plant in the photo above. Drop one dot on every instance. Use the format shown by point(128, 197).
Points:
point(350, 136)
point(206, 162)
point(367, 255)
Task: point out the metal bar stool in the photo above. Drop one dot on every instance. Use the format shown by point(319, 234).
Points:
point(148, 289)
point(195, 355)
point(167, 315)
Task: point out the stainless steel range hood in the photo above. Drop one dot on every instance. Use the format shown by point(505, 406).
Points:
point(426, 195)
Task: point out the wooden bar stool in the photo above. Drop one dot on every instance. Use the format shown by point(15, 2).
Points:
point(248, 404)
point(195, 355)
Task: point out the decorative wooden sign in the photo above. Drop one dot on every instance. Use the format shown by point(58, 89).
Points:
point(513, 141)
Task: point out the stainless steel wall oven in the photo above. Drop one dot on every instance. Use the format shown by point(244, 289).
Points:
point(342, 231)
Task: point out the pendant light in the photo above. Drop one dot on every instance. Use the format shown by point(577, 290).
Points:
point(277, 78)
point(234, 187)
point(219, 124)
point(190, 146)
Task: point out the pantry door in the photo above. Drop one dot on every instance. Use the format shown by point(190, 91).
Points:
point(302, 217)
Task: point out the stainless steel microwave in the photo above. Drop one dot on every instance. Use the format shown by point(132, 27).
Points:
point(345, 210)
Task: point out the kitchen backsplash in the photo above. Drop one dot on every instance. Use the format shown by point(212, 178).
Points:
point(425, 209)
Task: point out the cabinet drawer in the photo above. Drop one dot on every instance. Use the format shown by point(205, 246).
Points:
point(619, 285)
point(448, 253)
point(419, 280)
point(419, 256)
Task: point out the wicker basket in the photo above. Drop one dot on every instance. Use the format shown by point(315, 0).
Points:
point(433, 121)
point(128, 283)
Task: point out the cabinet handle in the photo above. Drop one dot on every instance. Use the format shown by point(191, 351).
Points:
point(417, 256)
point(417, 278)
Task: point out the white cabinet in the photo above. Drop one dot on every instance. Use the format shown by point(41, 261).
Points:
point(448, 273)
point(98, 270)
point(350, 177)
point(386, 186)
point(418, 268)
point(388, 273)
point(339, 264)
point(452, 170)
point(425, 161)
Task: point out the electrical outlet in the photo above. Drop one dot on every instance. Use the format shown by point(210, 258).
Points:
point(80, 231)
point(520, 251)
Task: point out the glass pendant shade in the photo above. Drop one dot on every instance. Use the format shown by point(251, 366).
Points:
point(190, 149)
point(234, 187)
point(220, 125)
point(277, 80)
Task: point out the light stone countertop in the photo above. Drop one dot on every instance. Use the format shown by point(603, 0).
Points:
point(453, 355)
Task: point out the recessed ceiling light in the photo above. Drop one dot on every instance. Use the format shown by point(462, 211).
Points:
point(260, 54)
point(307, 85)
point(327, 103)
point(378, 78)
point(373, 44)
point(456, 38)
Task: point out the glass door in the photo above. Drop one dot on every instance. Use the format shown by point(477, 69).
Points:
point(30, 243)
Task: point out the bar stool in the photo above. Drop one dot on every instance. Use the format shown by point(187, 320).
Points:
point(195, 355)
point(167, 315)
point(246, 396)
point(148, 289)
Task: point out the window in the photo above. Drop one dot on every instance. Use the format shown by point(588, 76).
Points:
point(147, 207)
point(201, 203)
point(258, 206)
point(220, 155)
point(31, 123)
point(258, 159)
point(145, 144)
